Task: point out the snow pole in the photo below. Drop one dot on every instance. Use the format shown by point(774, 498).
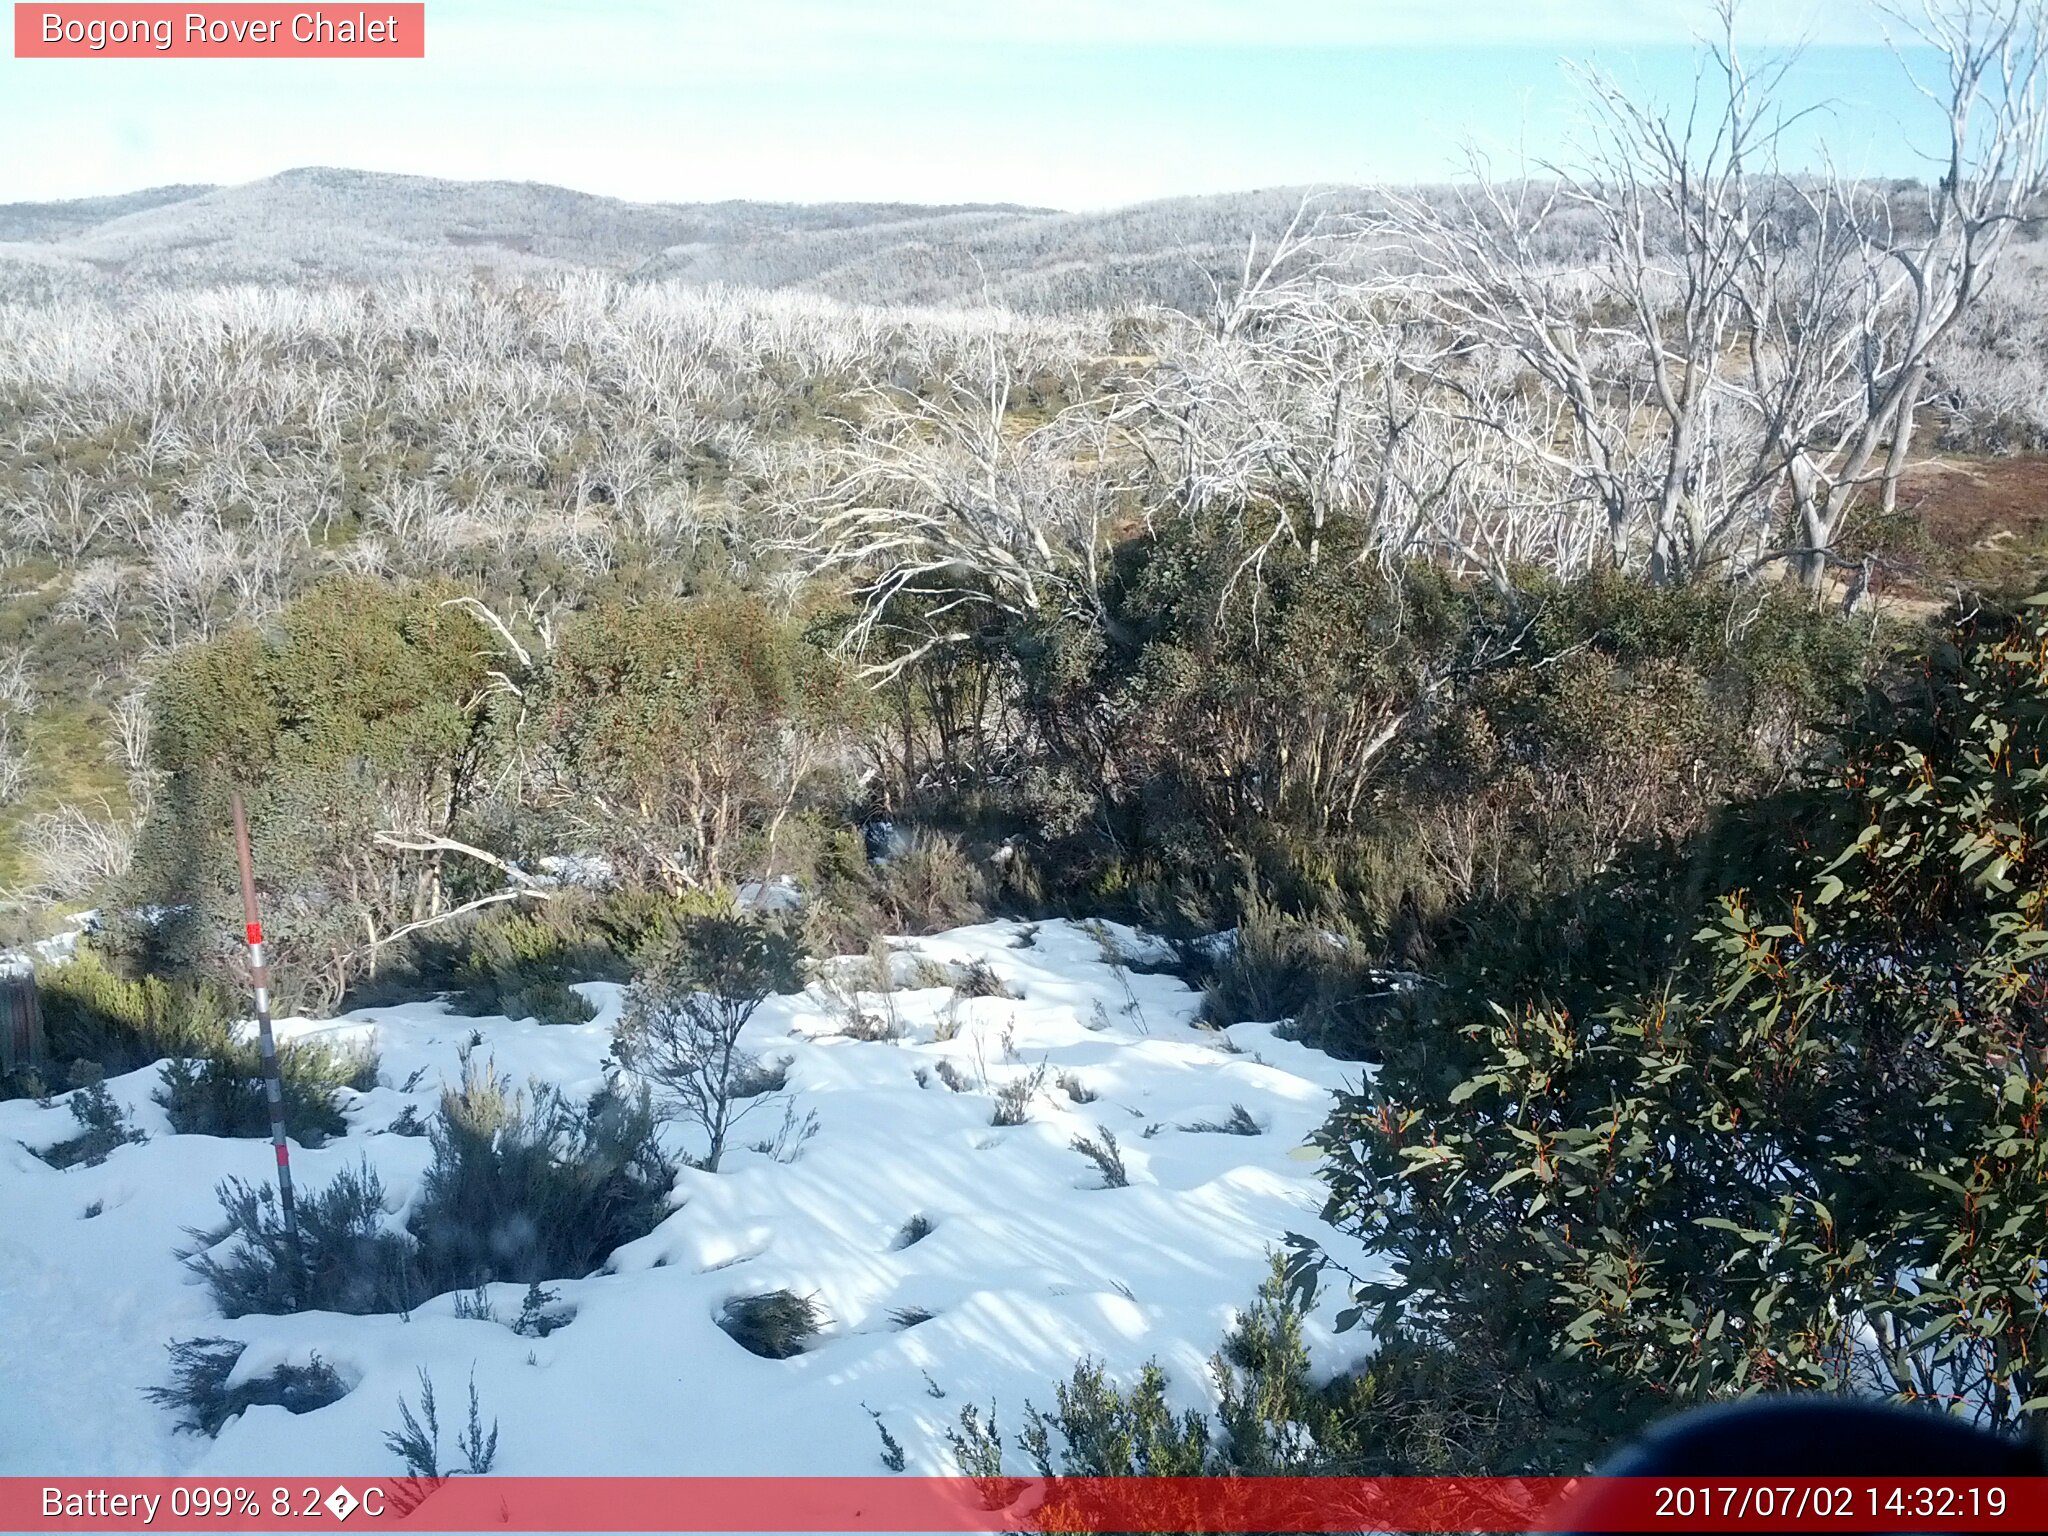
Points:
point(273, 1083)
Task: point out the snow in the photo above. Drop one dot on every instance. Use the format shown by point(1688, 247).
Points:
point(1030, 1265)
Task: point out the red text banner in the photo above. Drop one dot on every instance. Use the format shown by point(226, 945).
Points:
point(376, 31)
point(922, 1504)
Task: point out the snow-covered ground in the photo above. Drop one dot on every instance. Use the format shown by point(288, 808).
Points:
point(1031, 1263)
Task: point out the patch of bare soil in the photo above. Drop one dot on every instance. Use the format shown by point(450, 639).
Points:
point(1971, 521)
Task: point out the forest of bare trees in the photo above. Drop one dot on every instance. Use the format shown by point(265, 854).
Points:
point(1668, 355)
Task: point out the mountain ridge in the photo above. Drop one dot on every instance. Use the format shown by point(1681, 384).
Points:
point(326, 223)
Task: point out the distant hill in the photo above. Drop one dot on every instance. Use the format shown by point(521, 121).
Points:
point(326, 224)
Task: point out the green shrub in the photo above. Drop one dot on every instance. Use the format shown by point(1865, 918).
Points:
point(640, 924)
point(199, 1389)
point(1664, 1161)
point(1271, 1420)
point(1316, 977)
point(932, 885)
point(222, 1092)
point(417, 1440)
point(357, 696)
point(92, 1014)
point(530, 1188)
point(103, 1126)
point(775, 1325)
point(346, 1259)
point(698, 725)
point(521, 966)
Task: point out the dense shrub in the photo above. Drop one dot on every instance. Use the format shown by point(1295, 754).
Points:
point(688, 733)
point(528, 1187)
point(221, 1093)
point(91, 1013)
point(213, 1082)
point(774, 1325)
point(102, 1126)
point(1317, 976)
point(346, 1260)
point(1388, 749)
point(930, 886)
point(200, 1393)
point(520, 965)
point(362, 708)
point(1636, 1162)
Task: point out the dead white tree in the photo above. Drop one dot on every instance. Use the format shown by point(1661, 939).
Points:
point(1921, 276)
point(945, 507)
point(1721, 337)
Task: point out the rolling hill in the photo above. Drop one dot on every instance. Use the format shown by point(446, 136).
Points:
point(321, 223)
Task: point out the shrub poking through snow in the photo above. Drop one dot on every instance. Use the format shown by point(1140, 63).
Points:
point(977, 1443)
point(1096, 1430)
point(683, 1018)
point(102, 1126)
point(1238, 1123)
point(417, 1440)
point(1013, 1099)
point(951, 1076)
point(531, 1188)
point(346, 1260)
point(220, 1093)
point(1271, 1419)
point(915, 1230)
point(790, 1138)
point(978, 979)
point(199, 1390)
point(408, 1123)
point(1076, 1090)
point(538, 1316)
point(910, 1317)
point(775, 1325)
point(892, 1450)
point(1105, 1155)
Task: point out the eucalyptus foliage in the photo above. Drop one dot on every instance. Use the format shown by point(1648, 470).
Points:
point(1801, 1149)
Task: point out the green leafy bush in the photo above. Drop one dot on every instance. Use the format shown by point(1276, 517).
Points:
point(701, 726)
point(93, 1014)
point(1795, 1148)
point(521, 967)
point(358, 698)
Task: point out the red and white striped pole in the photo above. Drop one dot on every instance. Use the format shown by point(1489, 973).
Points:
point(273, 1084)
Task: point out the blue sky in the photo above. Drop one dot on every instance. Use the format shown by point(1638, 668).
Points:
point(1070, 103)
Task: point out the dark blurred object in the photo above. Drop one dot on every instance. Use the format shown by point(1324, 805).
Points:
point(1813, 1437)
